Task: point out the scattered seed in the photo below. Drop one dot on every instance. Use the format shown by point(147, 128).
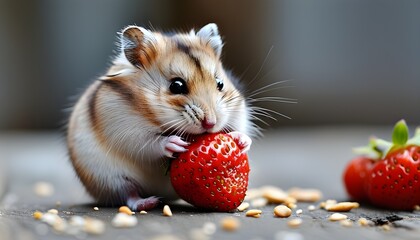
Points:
point(43, 189)
point(269, 188)
point(311, 207)
point(282, 211)
point(305, 195)
point(243, 206)
point(167, 211)
point(197, 234)
point(37, 215)
point(346, 223)
point(96, 208)
point(299, 211)
point(259, 202)
point(143, 212)
point(57, 223)
point(337, 217)
point(256, 213)
point(364, 222)
point(49, 218)
point(209, 228)
point(74, 226)
point(96, 226)
point(341, 206)
point(253, 193)
point(58, 203)
point(327, 203)
point(230, 224)
point(275, 195)
point(290, 200)
point(291, 205)
point(295, 222)
point(60, 224)
point(386, 227)
point(126, 210)
point(53, 211)
point(77, 221)
point(122, 220)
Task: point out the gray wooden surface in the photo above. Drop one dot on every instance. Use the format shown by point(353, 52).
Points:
point(300, 157)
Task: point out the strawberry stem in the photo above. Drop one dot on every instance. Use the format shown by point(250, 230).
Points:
point(400, 134)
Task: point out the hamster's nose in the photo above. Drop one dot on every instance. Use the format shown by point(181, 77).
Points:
point(207, 124)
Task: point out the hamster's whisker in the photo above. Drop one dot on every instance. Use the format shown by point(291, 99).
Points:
point(228, 128)
point(235, 101)
point(176, 125)
point(264, 114)
point(145, 145)
point(233, 98)
point(265, 111)
point(262, 66)
point(176, 121)
point(241, 76)
point(255, 93)
point(182, 131)
point(257, 130)
point(273, 99)
point(253, 117)
point(269, 87)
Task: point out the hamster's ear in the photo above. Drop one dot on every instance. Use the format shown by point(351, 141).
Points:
point(210, 34)
point(139, 46)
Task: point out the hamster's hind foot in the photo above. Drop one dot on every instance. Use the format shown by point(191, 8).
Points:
point(139, 204)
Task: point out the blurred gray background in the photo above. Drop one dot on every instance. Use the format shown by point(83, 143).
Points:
point(349, 62)
point(353, 66)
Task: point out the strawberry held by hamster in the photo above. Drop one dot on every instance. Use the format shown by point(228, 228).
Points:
point(128, 123)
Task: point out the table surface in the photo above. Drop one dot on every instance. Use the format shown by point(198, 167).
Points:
point(293, 157)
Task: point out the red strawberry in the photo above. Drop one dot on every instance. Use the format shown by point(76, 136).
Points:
point(355, 175)
point(212, 174)
point(389, 177)
point(394, 180)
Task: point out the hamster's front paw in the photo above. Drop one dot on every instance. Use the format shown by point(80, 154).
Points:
point(174, 144)
point(242, 140)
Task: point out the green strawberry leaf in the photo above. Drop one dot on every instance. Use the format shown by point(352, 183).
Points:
point(400, 133)
point(416, 139)
point(384, 147)
point(371, 150)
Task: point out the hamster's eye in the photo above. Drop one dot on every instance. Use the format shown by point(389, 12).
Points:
point(178, 86)
point(220, 84)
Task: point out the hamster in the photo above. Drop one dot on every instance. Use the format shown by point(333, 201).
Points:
point(159, 90)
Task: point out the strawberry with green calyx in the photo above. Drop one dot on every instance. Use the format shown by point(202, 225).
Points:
point(393, 181)
point(387, 173)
